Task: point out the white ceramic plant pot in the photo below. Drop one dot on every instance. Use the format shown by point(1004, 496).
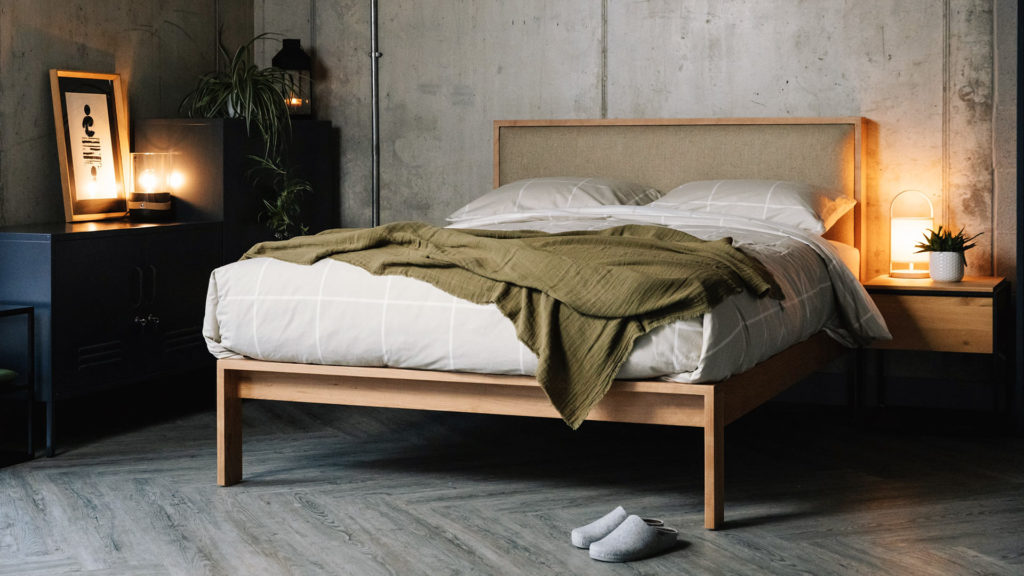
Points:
point(946, 266)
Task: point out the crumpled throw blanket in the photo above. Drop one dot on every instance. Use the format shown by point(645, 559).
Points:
point(578, 300)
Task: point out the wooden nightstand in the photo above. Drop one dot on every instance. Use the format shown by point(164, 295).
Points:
point(962, 316)
point(972, 316)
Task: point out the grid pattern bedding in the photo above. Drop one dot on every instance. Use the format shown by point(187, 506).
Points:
point(334, 313)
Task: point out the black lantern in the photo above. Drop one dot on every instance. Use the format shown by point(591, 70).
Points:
point(298, 68)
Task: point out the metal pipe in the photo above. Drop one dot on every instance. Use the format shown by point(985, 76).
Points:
point(374, 58)
point(216, 36)
point(1018, 389)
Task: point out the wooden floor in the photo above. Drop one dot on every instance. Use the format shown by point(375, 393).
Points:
point(337, 490)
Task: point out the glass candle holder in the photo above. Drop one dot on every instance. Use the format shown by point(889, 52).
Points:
point(155, 178)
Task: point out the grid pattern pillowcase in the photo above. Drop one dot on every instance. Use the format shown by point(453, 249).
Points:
point(554, 193)
point(796, 204)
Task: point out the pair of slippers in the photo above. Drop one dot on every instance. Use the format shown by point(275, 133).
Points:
point(621, 537)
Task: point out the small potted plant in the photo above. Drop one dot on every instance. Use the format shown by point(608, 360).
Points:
point(946, 260)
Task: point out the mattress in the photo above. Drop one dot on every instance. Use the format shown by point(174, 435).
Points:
point(335, 313)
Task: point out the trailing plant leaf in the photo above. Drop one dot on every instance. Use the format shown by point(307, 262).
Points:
point(281, 211)
point(943, 240)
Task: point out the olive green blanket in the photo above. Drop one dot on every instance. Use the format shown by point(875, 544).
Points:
point(578, 299)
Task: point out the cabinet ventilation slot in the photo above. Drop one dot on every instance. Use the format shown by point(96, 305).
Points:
point(99, 354)
point(183, 338)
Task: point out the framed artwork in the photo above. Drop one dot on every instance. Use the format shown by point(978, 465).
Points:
point(91, 121)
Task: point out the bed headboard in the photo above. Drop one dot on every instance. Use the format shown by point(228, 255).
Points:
point(665, 153)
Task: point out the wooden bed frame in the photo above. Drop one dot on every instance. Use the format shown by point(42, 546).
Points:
point(661, 153)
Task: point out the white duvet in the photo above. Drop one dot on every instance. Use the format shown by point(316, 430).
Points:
point(335, 313)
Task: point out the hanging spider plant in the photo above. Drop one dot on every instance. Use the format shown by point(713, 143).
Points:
point(243, 90)
point(257, 96)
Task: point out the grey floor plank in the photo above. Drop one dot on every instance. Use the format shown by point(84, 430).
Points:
point(339, 490)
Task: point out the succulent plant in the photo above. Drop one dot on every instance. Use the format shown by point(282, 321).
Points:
point(944, 240)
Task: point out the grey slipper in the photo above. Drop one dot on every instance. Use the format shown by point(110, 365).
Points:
point(634, 539)
point(583, 536)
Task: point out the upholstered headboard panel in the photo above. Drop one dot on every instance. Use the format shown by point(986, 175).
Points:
point(665, 153)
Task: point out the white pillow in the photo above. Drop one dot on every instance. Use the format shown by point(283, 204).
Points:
point(797, 204)
point(553, 193)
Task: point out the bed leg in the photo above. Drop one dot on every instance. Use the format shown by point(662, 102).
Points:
point(714, 461)
point(229, 429)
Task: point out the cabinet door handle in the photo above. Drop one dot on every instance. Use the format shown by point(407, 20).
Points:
point(148, 319)
point(152, 287)
point(139, 277)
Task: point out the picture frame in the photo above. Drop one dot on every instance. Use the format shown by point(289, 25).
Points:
point(91, 123)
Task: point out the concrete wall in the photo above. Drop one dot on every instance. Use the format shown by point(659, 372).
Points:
point(926, 73)
point(157, 46)
point(1004, 143)
point(936, 78)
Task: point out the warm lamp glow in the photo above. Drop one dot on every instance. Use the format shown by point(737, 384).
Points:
point(906, 232)
point(155, 173)
point(910, 217)
point(147, 181)
point(175, 180)
point(155, 179)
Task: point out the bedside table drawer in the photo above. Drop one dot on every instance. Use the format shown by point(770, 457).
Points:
point(938, 323)
point(972, 316)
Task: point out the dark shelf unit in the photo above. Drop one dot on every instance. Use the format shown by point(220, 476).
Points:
point(116, 303)
point(215, 153)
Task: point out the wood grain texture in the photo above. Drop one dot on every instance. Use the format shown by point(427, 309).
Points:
point(976, 285)
point(744, 392)
point(229, 429)
point(645, 402)
point(714, 460)
point(937, 323)
point(923, 314)
point(649, 401)
point(368, 491)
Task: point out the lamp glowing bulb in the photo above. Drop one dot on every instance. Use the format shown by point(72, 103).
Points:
point(906, 233)
point(910, 218)
point(148, 181)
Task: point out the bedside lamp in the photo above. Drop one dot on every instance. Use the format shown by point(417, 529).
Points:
point(155, 178)
point(910, 217)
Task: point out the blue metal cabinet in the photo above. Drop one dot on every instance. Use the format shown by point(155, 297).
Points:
point(117, 303)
